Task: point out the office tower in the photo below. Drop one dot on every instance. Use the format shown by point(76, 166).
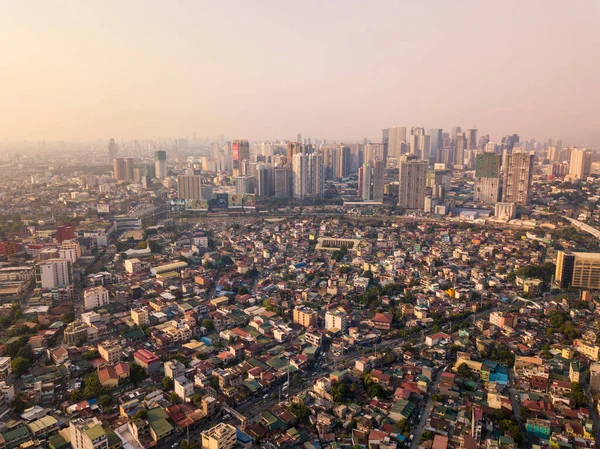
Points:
point(160, 164)
point(343, 168)
point(372, 181)
point(240, 151)
point(65, 232)
point(445, 156)
point(471, 139)
point(113, 149)
point(487, 178)
point(413, 145)
point(189, 187)
point(411, 186)
point(510, 141)
point(455, 131)
point(264, 180)
point(581, 163)
point(245, 184)
point(282, 180)
point(518, 174)
point(436, 142)
point(460, 145)
point(293, 148)
point(492, 147)
point(54, 273)
point(300, 175)
point(315, 172)
point(482, 142)
point(299, 138)
point(425, 146)
point(374, 152)
point(576, 269)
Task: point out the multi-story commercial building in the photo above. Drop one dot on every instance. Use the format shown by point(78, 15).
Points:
point(174, 369)
point(412, 180)
point(94, 297)
point(581, 163)
point(147, 360)
point(70, 250)
point(240, 151)
point(221, 436)
point(54, 273)
point(87, 434)
point(160, 164)
point(575, 269)
point(111, 351)
point(517, 178)
point(189, 187)
point(306, 317)
point(76, 333)
point(140, 316)
point(65, 232)
point(336, 319)
point(487, 178)
point(245, 184)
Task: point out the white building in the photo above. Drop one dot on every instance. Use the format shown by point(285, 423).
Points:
point(55, 273)
point(94, 297)
point(336, 319)
point(221, 436)
point(88, 434)
point(184, 388)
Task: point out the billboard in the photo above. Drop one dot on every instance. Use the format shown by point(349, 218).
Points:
point(236, 200)
point(177, 205)
point(249, 200)
point(235, 151)
point(197, 205)
point(103, 208)
point(221, 200)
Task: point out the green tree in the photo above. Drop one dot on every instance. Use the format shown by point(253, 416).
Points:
point(20, 365)
point(299, 409)
point(578, 394)
point(208, 324)
point(464, 371)
point(92, 386)
point(174, 398)
point(168, 383)
point(141, 414)
point(136, 373)
point(105, 400)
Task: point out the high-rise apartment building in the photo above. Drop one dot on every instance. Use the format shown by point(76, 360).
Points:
point(581, 163)
point(293, 148)
point(123, 169)
point(372, 181)
point(282, 182)
point(412, 179)
point(576, 269)
point(316, 176)
point(94, 297)
point(113, 150)
point(189, 187)
point(343, 168)
point(425, 146)
point(487, 178)
point(517, 178)
point(160, 164)
point(300, 175)
point(374, 152)
point(54, 273)
point(264, 180)
point(471, 139)
point(395, 136)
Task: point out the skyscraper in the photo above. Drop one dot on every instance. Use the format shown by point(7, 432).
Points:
point(581, 163)
point(300, 175)
point(372, 181)
point(282, 180)
point(412, 179)
point(113, 149)
point(264, 180)
point(436, 142)
point(487, 178)
point(129, 168)
point(395, 136)
point(121, 168)
point(471, 139)
point(315, 173)
point(425, 146)
point(460, 144)
point(374, 152)
point(160, 164)
point(517, 178)
point(293, 148)
point(343, 168)
point(189, 187)
point(240, 151)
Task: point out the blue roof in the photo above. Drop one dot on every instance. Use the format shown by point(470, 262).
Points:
point(243, 437)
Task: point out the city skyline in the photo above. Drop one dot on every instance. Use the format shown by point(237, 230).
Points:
point(89, 71)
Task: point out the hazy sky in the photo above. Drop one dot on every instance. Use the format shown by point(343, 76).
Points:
point(265, 69)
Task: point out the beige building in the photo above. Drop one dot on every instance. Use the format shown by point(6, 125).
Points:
point(574, 269)
point(412, 178)
point(595, 377)
point(517, 178)
point(110, 350)
point(581, 163)
point(221, 436)
point(306, 317)
point(139, 316)
point(133, 266)
point(336, 319)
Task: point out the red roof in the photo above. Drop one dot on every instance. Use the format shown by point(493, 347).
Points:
point(145, 356)
point(383, 317)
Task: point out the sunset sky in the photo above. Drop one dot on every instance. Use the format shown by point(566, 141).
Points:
point(339, 69)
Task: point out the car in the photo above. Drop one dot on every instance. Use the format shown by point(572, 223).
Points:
point(265, 396)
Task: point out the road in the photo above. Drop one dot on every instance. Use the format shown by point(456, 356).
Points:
point(418, 431)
